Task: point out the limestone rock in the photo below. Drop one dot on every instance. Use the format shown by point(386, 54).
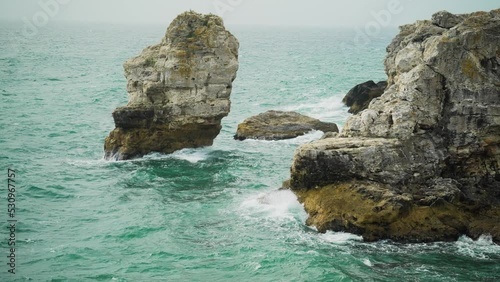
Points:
point(279, 125)
point(327, 135)
point(178, 90)
point(446, 19)
point(359, 97)
point(422, 162)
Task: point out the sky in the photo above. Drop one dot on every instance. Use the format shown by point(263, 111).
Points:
point(346, 13)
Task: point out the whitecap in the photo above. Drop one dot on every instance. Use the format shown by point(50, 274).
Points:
point(482, 248)
point(191, 155)
point(485, 240)
point(86, 162)
point(252, 265)
point(309, 252)
point(276, 204)
point(312, 135)
point(367, 262)
point(304, 139)
point(340, 237)
point(327, 109)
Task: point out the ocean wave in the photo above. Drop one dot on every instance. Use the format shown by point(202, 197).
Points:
point(339, 237)
point(282, 204)
point(312, 135)
point(326, 109)
point(482, 248)
point(192, 155)
point(87, 163)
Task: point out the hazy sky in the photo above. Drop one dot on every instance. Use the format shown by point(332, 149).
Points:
point(247, 12)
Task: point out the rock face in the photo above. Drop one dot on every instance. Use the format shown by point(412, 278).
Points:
point(422, 163)
point(278, 125)
point(359, 97)
point(178, 90)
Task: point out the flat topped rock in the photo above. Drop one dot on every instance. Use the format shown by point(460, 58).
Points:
point(279, 125)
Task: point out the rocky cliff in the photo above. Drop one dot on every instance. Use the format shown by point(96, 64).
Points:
point(178, 90)
point(422, 163)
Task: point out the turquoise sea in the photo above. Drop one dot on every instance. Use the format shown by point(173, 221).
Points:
point(209, 214)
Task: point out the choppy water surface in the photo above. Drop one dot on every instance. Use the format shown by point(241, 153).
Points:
point(210, 214)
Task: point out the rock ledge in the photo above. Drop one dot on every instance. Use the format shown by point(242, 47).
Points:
point(422, 162)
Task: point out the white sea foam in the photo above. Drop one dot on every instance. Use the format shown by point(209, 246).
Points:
point(304, 139)
point(310, 252)
point(86, 162)
point(481, 248)
point(339, 237)
point(191, 155)
point(254, 266)
point(367, 262)
point(486, 240)
point(275, 204)
point(327, 109)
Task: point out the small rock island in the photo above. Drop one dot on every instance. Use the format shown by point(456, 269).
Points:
point(422, 162)
point(280, 125)
point(178, 90)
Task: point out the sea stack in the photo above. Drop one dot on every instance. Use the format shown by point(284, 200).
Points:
point(178, 90)
point(422, 163)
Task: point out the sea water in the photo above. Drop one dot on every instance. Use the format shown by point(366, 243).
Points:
point(208, 214)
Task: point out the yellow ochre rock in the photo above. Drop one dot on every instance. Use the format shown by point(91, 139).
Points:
point(422, 162)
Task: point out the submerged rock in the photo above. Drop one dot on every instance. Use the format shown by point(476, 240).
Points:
point(178, 90)
point(359, 97)
point(422, 163)
point(279, 125)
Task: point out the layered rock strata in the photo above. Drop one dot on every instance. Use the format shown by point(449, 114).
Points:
point(178, 90)
point(279, 125)
point(422, 163)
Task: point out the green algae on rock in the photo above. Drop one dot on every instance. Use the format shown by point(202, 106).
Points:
point(179, 90)
point(422, 163)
